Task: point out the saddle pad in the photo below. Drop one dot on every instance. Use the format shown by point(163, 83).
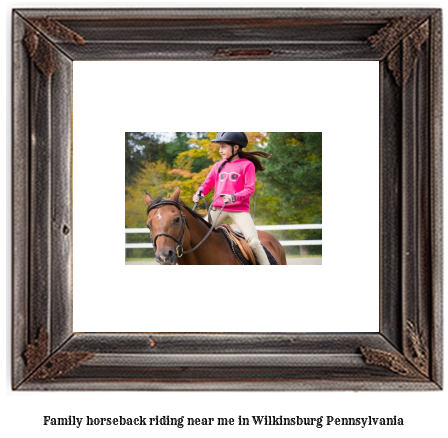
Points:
point(239, 255)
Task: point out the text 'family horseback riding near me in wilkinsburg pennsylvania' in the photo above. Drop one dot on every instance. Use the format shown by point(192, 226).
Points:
point(255, 420)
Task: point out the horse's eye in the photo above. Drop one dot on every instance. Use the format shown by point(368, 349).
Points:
point(177, 220)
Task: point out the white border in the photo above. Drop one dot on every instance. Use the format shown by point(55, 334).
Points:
point(338, 98)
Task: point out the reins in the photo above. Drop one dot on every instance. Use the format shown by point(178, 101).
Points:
point(180, 240)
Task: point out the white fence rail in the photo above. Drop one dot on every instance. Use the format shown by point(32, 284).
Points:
point(258, 227)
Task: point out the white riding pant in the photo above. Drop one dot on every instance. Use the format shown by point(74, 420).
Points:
point(245, 223)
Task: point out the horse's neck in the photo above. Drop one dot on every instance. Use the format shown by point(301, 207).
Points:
point(214, 250)
point(198, 230)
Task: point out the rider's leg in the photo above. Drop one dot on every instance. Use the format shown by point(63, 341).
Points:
point(214, 214)
point(247, 227)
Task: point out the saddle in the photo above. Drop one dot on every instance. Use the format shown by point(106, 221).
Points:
point(241, 243)
point(241, 248)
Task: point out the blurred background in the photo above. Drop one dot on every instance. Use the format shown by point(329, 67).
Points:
point(287, 199)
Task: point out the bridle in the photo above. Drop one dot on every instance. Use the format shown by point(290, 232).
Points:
point(179, 240)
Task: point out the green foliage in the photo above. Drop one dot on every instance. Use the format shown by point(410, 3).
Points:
point(153, 180)
point(149, 147)
point(194, 159)
point(133, 159)
point(175, 147)
point(141, 147)
point(293, 177)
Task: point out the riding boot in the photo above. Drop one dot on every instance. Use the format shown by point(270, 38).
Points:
point(259, 252)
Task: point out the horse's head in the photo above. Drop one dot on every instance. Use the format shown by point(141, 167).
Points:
point(167, 226)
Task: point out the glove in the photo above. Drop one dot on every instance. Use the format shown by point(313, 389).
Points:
point(196, 197)
point(229, 199)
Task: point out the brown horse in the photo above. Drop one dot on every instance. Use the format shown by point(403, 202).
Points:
point(178, 236)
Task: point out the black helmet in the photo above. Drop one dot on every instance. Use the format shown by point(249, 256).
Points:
point(239, 138)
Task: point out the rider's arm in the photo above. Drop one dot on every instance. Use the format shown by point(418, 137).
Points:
point(209, 182)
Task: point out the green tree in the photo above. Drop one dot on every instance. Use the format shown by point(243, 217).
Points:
point(153, 179)
point(180, 143)
point(294, 176)
point(140, 147)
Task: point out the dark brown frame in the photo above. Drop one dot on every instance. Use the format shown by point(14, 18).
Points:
point(406, 354)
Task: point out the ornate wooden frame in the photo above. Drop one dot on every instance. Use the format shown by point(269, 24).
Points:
point(406, 354)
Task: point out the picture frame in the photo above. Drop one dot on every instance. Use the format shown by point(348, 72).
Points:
point(406, 353)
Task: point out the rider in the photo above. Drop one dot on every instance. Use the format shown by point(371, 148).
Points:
point(234, 181)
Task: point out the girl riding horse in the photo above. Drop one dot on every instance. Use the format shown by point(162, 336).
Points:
point(233, 179)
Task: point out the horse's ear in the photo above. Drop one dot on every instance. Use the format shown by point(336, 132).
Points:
point(175, 196)
point(148, 199)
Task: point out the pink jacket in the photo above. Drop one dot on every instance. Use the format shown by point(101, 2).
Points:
point(236, 178)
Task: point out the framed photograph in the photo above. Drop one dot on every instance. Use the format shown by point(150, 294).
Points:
point(53, 351)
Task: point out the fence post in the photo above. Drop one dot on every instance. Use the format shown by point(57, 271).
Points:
point(304, 250)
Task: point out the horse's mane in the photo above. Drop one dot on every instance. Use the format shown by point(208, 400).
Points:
point(195, 214)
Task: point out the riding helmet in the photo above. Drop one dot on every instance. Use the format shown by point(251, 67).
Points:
point(239, 138)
